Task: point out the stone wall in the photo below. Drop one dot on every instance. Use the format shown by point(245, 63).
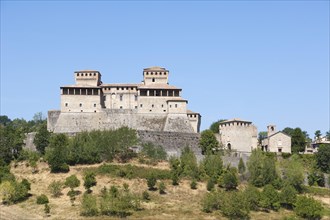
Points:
point(28, 141)
point(172, 142)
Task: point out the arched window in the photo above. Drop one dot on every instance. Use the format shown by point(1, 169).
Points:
point(229, 146)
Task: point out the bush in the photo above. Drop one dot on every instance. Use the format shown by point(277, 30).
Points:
point(162, 188)
point(55, 188)
point(288, 196)
point(89, 205)
point(175, 179)
point(316, 178)
point(252, 196)
point(151, 182)
point(26, 183)
point(156, 153)
point(211, 201)
point(307, 207)
point(42, 199)
point(47, 209)
point(193, 184)
point(270, 198)
point(72, 182)
point(241, 166)
point(212, 165)
point(228, 180)
point(13, 192)
point(210, 184)
point(57, 153)
point(235, 206)
point(89, 180)
point(145, 196)
point(322, 158)
point(188, 163)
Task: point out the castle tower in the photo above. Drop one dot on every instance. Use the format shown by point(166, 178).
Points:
point(271, 129)
point(88, 77)
point(155, 75)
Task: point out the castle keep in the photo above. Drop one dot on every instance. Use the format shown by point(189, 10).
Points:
point(152, 105)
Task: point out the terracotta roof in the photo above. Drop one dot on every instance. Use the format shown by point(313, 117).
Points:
point(177, 99)
point(154, 68)
point(189, 112)
point(235, 120)
point(86, 71)
point(80, 86)
point(277, 133)
point(158, 86)
point(121, 85)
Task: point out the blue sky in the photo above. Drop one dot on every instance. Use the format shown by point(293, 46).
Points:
point(267, 62)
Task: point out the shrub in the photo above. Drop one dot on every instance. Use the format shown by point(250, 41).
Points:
point(89, 205)
point(307, 207)
point(212, 165)
point(241, 166)
point(228, 180)
point(89, 180)
point(72, 182)
point(252, 196)
point(57, 153)
point(210, 184)
point(13, 192)
point(47, 209)
point(193, 184)
point(55, 188)
point(211, 201)
point(154, 152)
point(145, 196)
point(188, 163)
point(235, 206)
point(26, 183)
point(288, 196)
point(175, 179)
point(270, 198)
point(42, 199)
point(162, 188)
point(151, 182)
point(316, 178)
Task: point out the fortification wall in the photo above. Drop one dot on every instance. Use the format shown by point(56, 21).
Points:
point(172, 142)
point(66, 122)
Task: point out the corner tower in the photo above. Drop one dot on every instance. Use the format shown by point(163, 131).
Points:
point(155, 75)
point(88, 77)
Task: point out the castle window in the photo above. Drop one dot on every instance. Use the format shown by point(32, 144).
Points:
point(170, 106)
point(121, 107)
point(160, 73)
point(121, 97)
point(152, 73)
point(94, 105)
point(81, 110)
point(94, 74)
point(162, 106)
point(176, 105)
point(66, 104)
point(164, 110)
point(152, 105)
point(135, 107)
point(165, 73)
point(117, 88)
point(95, 111)
point(141, 105)
point(77, 74)
point(153, 79)
point(80, 105)
point(135, 97)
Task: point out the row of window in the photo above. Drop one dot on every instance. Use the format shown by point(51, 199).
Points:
point(86, 74)
point(80, 105)
point(120, 88)
point(156, 73)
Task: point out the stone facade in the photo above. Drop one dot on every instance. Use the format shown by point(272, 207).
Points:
point(278, 142)
point(152, 105)
point(238, 135)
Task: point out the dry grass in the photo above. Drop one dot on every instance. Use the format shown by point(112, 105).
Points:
point(179, 202)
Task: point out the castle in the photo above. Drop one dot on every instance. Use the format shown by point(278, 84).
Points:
point(152, 105)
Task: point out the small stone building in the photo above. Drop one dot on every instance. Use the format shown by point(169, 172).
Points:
point(238, 135)
point(276, 141)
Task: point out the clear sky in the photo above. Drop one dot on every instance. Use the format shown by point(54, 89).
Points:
point(266, 62)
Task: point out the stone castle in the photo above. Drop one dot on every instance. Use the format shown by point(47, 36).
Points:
point(152, 105)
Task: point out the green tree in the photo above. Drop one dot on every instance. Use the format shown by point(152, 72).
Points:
point(241, 166)
point(89, 180)
point(262, 135)
point(188, 163)
point(323, 158)
point(212, 165)
point(298, 139)
point(327, 135)
point(154, 152)
point(4, 120)
point(317, 134)
point(208, 142)
point(307, 207)
point(41, 140)
point(293, 173)
point(316, 177)
point(56, 153)
point(214, 127)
